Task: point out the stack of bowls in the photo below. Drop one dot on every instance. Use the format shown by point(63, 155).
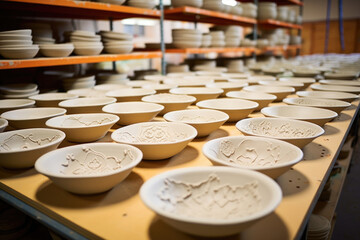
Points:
point(215, 5)
point(43, 40)
point(20, 90)
point(206, 40)
point(233, 35)
point(282, 13)
point(318, 228)
point(235, 65)
point(217, 38)
point(17, 44)
point(111, 78)
point(42, 33)
point(86, 43)
point(117, 42)
point(150, 4)
point(186, 38)
point(177, 68)
point(237, 10)
point(57, 50)
point(249, 10)
point(267, 10)
point(292, 16)
point(78, 82)
point(191, 3)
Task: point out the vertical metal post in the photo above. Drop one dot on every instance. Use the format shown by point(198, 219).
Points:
point(301, 10)
point(111, 26)
point(255, 31)
point(162, 41)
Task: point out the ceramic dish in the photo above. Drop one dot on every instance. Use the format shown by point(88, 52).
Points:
point(13, 104)
point(31, 117)
point(159, 88)
point(335, 88)
point(130, 95)
point(236, 108)
point(263, 99)
point(306, 73)
point(18, 88)
point(157, 140)
point(306, 81)
point(279, 91)
point(340, 82)
point(200, 93)
point(255, 197)
point(3, 124)
point(189, 81)
point(204, 120)
point(21, 148)
point(134, 112)
point(296, 132)
point(297, 85)
point(86, 105)
point(51, 99)
point(341, 75)
point(227, 86)
point(347, 97)
point(110, 87)
point(89, 168)
point(88, 93)
point(330, 104)
point(310, 114)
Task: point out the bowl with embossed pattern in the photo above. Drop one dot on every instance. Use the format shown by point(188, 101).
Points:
point(299, 133)
point(89, 168)
point(21, 148)
point(330, 104)
point(85, 127)
point(269, 156)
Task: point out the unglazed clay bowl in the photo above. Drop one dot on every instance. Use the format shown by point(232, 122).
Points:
point(110, 87)
point(263, 99)
point(306, 81)
point(88, 93)
point(189, 81)
point(3, 124)
point(130, 95)
point(227, 86)
point(269, 156)
point(347, 97)
point(236, 108)
point(279, 91)
point(297, 85)
point(335, 88)
point(159, 88)
point(133, 112)
point(21, 148)
point(51, 99)
point(318, 116)
point(330, 104)
point(157, 140)
point(89, 168)
point(204, 120)
point(292, 131)
point(171, 102)
point(18, 88)
point(340, 82)
point(253, 197)
point(13, 104)
point(306, 73)
point(86, 127)
point(86, 105)
point(200, 93)
point(31, 117)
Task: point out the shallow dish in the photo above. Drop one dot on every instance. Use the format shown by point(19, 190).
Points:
point(12, 104)
point(310, 114)
point(306, 73)
point(164, 194)
point(133, 112)
point(330, 104)
point(342, 75)
point(51, 99)
point(335, 88)
point(89, 168)
point(3, 124)
point(88, 93)
point(130, 95)
point(31, 117)
point(292, 131)
point(347, 97)
point(204, 120)
point(340, 82)
point(227, 86)
point(296, 85)
point(86, 105)
point(18, 88)
point(189, 81)
point(110, 87)
point(21, 148)
point(306, 81)
point(157, 140)
point(200, 93)
point(263, 99)
point(236, 108)
point(159, 88)
point(279, 91)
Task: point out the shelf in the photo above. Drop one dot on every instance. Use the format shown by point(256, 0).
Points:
point(271, 23)
point(73, 9)
point(192, 14)
point(47, 62)
point(246, 50)
point(278, 2)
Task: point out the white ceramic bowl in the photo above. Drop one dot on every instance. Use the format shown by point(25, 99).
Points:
point(200, 93)
point(340, 82)
point(236, 108)
point(263, 99)
point(3, 124)
point(88, 93)
point(306, 81)
point(130, 95)
point(296, 85)
point(12, 104)
point(266, 155)
point(330, 104)
point(204, 120)
point(87, 127)
point(51, 99)
point(157, 140)
point(164, 194)
point(227, 86)
point(18, 88)
point(89, 168)
point(306, 73)
point(292, 131)
point(110, 87)
point(347, 97)
point(133, 112)
point(279, 91)
point(310, 114)
point(21, 148)
point(31, 117)
point(335, 88)
point(86, 105)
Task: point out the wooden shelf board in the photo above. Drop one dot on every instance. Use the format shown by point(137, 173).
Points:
point(278, 2)
point(192, 14)
point(73, 9)
point(46, 61)
point(271, 23)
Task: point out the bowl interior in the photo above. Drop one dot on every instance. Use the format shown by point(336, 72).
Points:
point(133, 107)
point(298, 112)
point(196, 116)
point(89, 101)
point(82, 120)
point(32, 113)
point(228, 103)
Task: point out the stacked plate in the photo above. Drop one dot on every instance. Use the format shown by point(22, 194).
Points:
point(85, 42)
point(235, 65)
point(57, 50)
point(117, 42)
point(217, 38)
point(215, 5)
point(233, 35)
point(318, 227)
point(78, 82)
point(17, 44)
point(150, 4)
point(191, 3)
point(206, 40)
point(267, 10)
point(111, 78)
point(20, 90)
point(186, 38)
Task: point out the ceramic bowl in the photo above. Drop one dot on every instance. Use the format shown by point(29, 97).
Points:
point(335, 88)
point(330, 104)
point(130, 95)
point(157, 140)
point(296, 85)
point(133, 112)
point(56, 50)
point(51, 99)
point(347, 97)
point(255, 197)
point(306, 81)
point(86, 105)
point(18, 88)
point(3, 124)
point(279, 91)
point(171, 102)
point(200, 93)
point(87, 93)
point(159, 88)
point(16, 52)
point(296, 132)
point(87, 127)
point(110, 87)
point(310, 114)
point(340, 82)
point(189, 81)
point(21, 148)
point(341, 75)
point(269, 156)
point(306, 73)
point(89, 168)
point(263, 99)
point(31, 117)
point(227, 86)
point(204, 120)
point(88, 50)
point(12, 104)
point(236, 108)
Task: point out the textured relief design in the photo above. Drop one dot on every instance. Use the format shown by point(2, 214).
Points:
point(210, 198)
point(167, 97)
point(23, 142)
point(74, 121)
point(197, 119)
point(91, 162)
point(152, 134)
point(266, 128)
point(249, 153)
point(318, 102)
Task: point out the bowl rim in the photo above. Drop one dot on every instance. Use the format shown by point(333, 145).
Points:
point(29, 102)
point(269, 96)
point(284, 89)
point(158, 106)
point(67, 96)
point(61, 111)
point(255, 104)
point(224, 116)
point(345, 95)
point(191, 99)
point(339, 88)
point(210, 91)
point(49, 124)
point(341, 103)
point(64, 103)
point(333, 114)
point(137, 92)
